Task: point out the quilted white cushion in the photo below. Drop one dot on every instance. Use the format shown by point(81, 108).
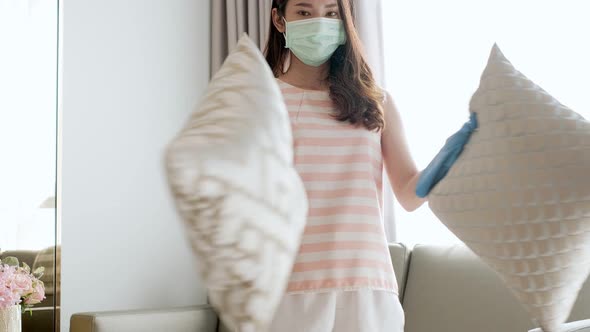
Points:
point(519, 195)
point(231, 172)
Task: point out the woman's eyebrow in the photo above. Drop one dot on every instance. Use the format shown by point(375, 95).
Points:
point(303, 4)
point(309, 5)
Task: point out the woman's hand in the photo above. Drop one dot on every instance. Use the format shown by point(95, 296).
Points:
point(444, 160)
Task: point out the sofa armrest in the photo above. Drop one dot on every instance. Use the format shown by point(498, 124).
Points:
point(579, 326)
point(198, 318)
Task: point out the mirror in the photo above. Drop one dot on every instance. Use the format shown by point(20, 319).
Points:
point(28, 137)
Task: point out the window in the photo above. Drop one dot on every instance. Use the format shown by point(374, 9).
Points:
point(28, 76)
point(435, 52)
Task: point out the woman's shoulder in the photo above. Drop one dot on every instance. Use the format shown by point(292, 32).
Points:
point(391, 113)
point(384, 93)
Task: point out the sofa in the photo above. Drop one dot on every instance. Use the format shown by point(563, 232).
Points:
point(442, 289)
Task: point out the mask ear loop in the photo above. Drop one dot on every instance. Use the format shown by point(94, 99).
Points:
point(287, 62)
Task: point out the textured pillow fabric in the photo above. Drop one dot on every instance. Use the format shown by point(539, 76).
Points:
point(232, 176)
point(519, 195)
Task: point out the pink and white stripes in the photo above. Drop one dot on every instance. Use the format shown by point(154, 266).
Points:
point(344, 244)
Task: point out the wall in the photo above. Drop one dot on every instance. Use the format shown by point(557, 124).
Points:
point(132, 72)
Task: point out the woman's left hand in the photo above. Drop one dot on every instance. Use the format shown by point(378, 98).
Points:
point(444, 160)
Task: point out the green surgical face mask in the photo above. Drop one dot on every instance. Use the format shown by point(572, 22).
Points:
point(314, 40)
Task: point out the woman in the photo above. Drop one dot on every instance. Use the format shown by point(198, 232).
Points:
point(345, 129)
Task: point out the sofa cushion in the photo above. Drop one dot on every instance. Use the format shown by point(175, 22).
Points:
point(519, 195)
point(449, 289)
point(191, 319)
point(232, 176)
point(400, 257)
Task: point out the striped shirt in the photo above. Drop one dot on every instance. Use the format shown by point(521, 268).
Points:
point(344, 244)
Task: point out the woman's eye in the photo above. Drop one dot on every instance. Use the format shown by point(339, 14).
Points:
point(303, 13)
point(332, 14)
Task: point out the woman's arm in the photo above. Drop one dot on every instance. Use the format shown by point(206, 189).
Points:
point(399, 164)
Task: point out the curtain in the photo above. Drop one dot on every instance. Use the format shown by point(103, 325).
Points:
point(231, 18)
point(369, 23)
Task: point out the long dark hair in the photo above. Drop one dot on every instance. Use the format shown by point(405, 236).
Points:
point(356, 96)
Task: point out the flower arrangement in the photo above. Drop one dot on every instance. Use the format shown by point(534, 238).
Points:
point(20, 286)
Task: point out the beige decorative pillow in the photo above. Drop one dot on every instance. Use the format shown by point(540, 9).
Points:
point(231, 172)
point(519, 195)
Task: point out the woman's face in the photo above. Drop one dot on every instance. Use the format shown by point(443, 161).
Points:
point(304, 9)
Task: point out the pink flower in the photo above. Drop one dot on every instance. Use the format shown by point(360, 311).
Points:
point(8, 298)
point(22, 283)
point(18, 284)
point(37, 295)
point(6, 273)
point(8, 295)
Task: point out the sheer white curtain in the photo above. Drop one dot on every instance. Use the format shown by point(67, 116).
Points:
point(231, 18)
point(369, 23)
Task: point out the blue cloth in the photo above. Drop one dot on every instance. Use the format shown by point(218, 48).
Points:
point(444, 160)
